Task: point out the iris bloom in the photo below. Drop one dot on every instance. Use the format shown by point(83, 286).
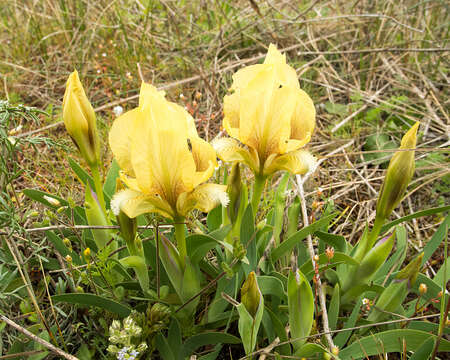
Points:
point(163, 161)
point(269, 113)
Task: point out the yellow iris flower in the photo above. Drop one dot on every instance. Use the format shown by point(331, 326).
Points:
point(271, 115)
point(163, 161)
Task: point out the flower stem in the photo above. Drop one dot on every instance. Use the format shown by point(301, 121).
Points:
point(373, 235)
point(258, 187)
point(98, 187)
point(181, 239)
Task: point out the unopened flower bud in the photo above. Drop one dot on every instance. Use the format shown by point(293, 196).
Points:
point(68, 258)
point(79, 289)
point(87, 253)
point(67, 242)
point(52, 201)
point(251, 295)
point(423, 288)
point(198, 95)
point(335, 350)
point(316, 258)
point(398, 176)
point(79, 119)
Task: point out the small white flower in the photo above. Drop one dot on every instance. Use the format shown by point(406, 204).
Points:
point(98, 71)
point(118, 110)
point(104, 54)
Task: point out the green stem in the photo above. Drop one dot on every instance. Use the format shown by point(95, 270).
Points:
point(258, 187)
point(98, 186)
point(181, 239)
point(374, 232)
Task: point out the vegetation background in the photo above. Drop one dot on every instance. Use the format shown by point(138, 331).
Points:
point(373, 68)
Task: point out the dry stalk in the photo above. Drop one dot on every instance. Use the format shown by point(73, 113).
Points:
point(312, 254)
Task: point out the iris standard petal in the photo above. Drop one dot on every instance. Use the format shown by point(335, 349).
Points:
point(286, 75)
point(266, 111)
point(160, 154)
point(303, 121)
point(120, 139)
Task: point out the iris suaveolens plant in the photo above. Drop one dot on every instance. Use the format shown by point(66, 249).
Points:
point(165, 166)
point(270, 119)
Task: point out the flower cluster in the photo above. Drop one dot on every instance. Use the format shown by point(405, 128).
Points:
point(122, 339)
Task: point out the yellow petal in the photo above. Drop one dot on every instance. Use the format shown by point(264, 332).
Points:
point(134, 203)
point(161, 158)
point(149, 91)
point(120, 139)
point(410, 138)
point(266, 111)
point(303, 121)
point(205, 197)
point(229, 150)
point(296, 162)
point(205, 159)
point(286, 75)
point(231, 110)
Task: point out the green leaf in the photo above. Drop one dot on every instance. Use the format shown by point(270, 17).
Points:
point(342, 337)
point(439, 278)
point(336, 241)
point(247, 233)
point(81, 174)
point(417, 214)
point(438, 237)
point(425, 350)
point(165, 351)
point(309, 350)
point(94, 300)
point(396, 259)
point(279, 206)
point(214, 218)
point(196, 341)
point(280, 330)
point(249, 326)
point(287, 245)
point(198, 245)
point(333, 310)
point(41, 196)
point(389, 341)
point(109, 186)
point(301, 308)
point(270, 285)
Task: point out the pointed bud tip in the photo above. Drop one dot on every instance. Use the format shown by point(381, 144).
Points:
point(410, 138)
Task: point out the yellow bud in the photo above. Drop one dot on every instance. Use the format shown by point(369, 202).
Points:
point(335, 350)
point(79, 119)
point(423, 288)
point(68, 258)
point(250, 294)
point(79, 289)
point(87, 253)
point(398, 176)
point(316, 258)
